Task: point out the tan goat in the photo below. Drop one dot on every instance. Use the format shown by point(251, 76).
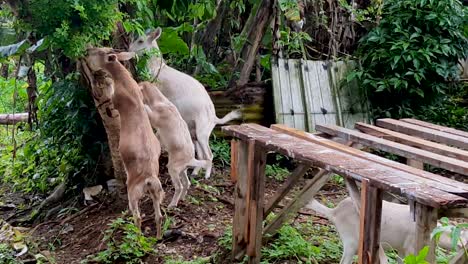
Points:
point(175, 138)
point(139, 147)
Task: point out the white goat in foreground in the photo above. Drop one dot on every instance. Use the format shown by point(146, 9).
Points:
point(175, 138)
point(138, 146)
point(187, 94)
point(397, 230)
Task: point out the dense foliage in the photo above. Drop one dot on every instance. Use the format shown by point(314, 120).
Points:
point(410, 59)
point(68, 142)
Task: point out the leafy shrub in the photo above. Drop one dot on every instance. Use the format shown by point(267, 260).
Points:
point(125, 242)
point(71, 25)
point(289, 245)
point(276, 172)
point(7, 255)
point(451, 111)
point(68, 142)
point(411, 57)
point(221, 149)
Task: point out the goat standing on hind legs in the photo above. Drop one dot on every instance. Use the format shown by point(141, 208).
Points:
point(138, 146)
point(186, 93)
point(175, 138)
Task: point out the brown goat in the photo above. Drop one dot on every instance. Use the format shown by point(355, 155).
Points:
point(139, 147)
point(175, 138)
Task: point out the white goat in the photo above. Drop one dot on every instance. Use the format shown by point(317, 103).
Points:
point(397, 231)
point(187, 94)
point(175, 138)
point(138, 146)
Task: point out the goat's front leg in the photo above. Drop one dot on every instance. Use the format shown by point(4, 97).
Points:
point(156, 193)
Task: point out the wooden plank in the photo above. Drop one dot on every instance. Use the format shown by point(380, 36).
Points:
point(415, 164)
point(234, 160)
point(426, 221)
point(239, 238)
point(278, 105)
point(423, 132)
point(386, 178)
point(324, 92)
point(291, 209)
point(296, 94)
point(300, 170)
point(336, 75)
point(283, 69)
point(436, 127)
point(256, 176)
point(440, 182)
point(413, 141)
point(314, 100)
point(370, 218)
point(427, 157)
point(308, 100)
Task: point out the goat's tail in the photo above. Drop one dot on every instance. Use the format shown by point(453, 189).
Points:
point(319, 208)
point(233, 115)
point(205, 164)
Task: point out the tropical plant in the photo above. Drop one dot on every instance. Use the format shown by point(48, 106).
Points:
point(410, 59)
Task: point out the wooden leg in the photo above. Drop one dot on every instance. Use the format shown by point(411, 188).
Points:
point(300, 170)
point(234, 159)
point(311, 188)
point(370, 217)
point(249, 169)
point(239, 162)
point(415, 163)
point(256, 174)
point(426, 221)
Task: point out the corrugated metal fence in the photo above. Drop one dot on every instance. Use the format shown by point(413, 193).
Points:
point(307, 93)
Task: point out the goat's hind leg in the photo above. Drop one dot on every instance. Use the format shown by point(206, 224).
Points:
point(199, 155)
point(185, 183)
point(156, 193)
point(135, 193)
point(174, 172)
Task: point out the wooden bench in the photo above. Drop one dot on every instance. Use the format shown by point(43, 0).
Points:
point(428, 193)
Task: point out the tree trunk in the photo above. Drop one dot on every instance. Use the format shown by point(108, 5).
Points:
point(209, 35)
point(32, 95)
point(4, 70)
point(11, 119)
point(110, 117)
point(250, 49)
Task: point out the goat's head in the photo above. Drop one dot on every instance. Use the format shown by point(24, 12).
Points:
point(146, 42)
point(98, 58)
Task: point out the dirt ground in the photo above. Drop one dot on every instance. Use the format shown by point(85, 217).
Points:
point(196, 225)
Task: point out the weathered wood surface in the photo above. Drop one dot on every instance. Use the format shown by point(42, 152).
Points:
point(409, 152)
point(426, 221)
point(10, 119)
point(287, 92)
point(307, 93)
point(436, 127)
point(442, 183)
point(249, 200)
point(239, 226)
point(292, 179)
point(413, 141)
point(369, 231)
point(380, 176)
point(351, 103)
point(424, 132)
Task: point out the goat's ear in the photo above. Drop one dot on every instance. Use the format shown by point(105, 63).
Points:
point(112, 57)
point(155, 34)
point(125, 56)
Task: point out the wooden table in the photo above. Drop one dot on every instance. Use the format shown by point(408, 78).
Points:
point(428, 193)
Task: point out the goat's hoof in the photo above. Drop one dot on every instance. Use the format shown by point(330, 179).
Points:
point(172, 206)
